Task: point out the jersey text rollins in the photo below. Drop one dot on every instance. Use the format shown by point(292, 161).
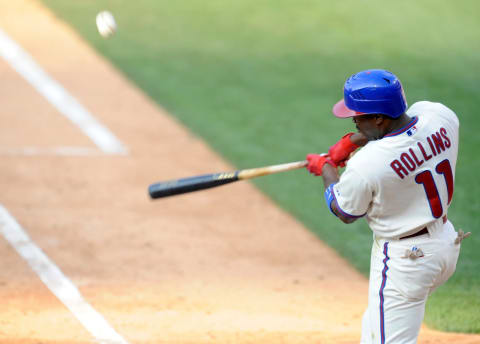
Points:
point(416, 155)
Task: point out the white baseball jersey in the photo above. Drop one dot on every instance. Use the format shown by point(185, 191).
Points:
point(403, 181)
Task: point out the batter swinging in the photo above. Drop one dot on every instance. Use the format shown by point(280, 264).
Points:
point(402, 182)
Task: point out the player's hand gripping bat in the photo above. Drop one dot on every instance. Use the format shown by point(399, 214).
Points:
point(184, 185)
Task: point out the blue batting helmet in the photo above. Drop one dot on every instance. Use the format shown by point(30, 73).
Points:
point(373, 91)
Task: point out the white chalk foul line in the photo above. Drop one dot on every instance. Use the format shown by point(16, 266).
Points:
point(65, 150)
point(66, 104)
point(56, 281)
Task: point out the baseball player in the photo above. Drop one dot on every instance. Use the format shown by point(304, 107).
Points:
point(401, 181)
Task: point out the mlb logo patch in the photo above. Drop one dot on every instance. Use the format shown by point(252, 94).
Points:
point(412, 131)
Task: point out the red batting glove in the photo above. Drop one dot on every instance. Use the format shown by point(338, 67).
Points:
point(341, 150)
point(316, 163)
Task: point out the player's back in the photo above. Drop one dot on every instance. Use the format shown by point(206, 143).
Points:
point(411, 171)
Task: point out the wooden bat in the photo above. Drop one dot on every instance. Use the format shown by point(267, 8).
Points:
point(184, 185)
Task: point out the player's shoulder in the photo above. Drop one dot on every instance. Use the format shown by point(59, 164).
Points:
point(367, 159)
point(432, 109)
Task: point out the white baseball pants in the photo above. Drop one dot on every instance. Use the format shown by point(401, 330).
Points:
point(399, 286)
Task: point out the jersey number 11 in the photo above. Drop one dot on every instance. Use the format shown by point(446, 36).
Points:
point(426, 179)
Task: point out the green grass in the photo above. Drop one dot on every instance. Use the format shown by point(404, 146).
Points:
point(257, 80)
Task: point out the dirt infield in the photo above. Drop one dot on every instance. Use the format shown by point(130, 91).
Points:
point(223, 266)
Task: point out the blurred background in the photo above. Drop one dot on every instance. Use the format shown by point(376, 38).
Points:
point(257, 80)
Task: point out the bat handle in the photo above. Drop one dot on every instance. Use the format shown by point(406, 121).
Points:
point(263, 171)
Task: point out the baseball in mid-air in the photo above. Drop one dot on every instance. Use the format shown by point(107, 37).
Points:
point(106, 24)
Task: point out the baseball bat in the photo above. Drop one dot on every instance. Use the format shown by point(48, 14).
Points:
point(190, 184)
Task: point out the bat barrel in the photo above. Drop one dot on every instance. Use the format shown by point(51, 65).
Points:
point(180, 186)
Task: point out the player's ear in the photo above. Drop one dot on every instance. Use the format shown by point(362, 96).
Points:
point(379, 120)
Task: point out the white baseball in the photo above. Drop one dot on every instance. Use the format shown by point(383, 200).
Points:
point(106, 24)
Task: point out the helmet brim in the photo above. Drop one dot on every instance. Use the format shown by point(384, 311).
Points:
point(340, 110)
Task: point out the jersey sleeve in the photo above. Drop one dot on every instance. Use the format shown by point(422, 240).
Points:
point(352, 194)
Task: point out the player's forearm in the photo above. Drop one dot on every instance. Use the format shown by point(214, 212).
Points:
point(330, 175)
point(359, 139)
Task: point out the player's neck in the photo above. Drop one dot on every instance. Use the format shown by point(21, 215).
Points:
point(399, 123)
